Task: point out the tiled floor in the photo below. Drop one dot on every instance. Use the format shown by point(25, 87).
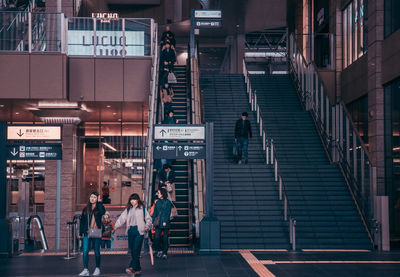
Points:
point(244, 263)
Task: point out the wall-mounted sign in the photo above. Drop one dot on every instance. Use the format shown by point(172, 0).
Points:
point(44, 151)
point(179, 132)
point(105, 17)
point(33, 132)
point(109, 43)
point(179, 150)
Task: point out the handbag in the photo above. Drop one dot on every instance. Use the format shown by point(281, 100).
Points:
point(156, 221)
point(172, 78)
point(174, 212)
point(94, 233)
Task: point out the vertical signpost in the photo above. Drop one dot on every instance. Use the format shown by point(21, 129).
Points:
point(174, 142)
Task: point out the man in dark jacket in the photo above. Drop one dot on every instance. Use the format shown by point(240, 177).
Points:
point(242, 135)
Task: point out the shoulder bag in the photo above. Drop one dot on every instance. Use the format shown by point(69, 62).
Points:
point(94, 233)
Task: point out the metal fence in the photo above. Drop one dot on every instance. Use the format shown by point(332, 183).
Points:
point(75, 36)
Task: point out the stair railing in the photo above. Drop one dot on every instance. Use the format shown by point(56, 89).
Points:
point(338, 134)
point(153, 104)
point(271, 158)
point(199, 180)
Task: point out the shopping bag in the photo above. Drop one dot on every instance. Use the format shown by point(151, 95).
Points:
point(172, 78)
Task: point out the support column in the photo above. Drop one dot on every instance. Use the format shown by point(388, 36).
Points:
point(4, 232)
point(339, 49)
point(67, 193)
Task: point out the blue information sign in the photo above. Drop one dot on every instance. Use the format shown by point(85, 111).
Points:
point(40, 151)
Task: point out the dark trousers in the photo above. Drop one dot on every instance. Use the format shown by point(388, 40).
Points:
point(161, 241)
point(89, 243)
point(106, 243)
point(242, 145)
point(135, 240)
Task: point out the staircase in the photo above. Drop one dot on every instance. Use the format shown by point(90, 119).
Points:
point(326, 215)
point(179, 232)
point(246, 199)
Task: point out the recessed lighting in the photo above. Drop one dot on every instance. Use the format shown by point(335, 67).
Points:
point(119, 119)
point(1, 106)
point(17, 113)
point(114, 113)
point(108, 106)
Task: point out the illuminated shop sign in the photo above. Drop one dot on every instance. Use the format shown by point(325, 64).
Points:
point(109, 43)
point(105, 17)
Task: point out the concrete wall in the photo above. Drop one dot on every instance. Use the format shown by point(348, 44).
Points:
point(261, 14)
point(353, 80)
point(34, 76)
point(391, 57)
point(109, 79)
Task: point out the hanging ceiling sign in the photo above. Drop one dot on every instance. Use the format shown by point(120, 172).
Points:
point(179, 150)
point(33, 132)
point(179, 132)
point(207, 19)
point(208, 14)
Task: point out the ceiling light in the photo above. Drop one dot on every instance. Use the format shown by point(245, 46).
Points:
point(109, 146)
point(108, 106)
point(60, 120)
point(57, 104)
point(114, 113)
point(17, 113)
point(1, 106)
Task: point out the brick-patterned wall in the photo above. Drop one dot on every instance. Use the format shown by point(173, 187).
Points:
point(66, 7)
point(68, 190)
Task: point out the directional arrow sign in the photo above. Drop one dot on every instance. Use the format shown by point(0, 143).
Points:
point(33, 132)
point(14, 152)
point(42, 151)
point(20, 134)
point(179, 150)
point(179, 132)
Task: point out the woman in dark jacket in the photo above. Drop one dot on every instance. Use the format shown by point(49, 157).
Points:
point(91, 219)
point(163, 210)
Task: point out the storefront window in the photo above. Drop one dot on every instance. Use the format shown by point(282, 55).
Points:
point(392, 16)
point(392, 157)
point(112, 160)
point(354, 32)
point(358, 110)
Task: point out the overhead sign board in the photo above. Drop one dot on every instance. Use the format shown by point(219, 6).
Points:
point(208, 14)
point(179, 150)
point(179, 132)
point(207, 19)
point(33, 132)
point(43, 151)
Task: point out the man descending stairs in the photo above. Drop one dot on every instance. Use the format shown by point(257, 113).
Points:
point(246, 199)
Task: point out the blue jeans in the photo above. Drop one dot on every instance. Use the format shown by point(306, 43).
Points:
point(89, 243)
point(241, 145)
point(135, 240)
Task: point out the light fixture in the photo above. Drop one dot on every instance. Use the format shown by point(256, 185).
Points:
point(57, 104)
point(109, 146)
point(108, 106)
point(114, 113)
point(17, 113)
point(1, 106)
point(60, 120)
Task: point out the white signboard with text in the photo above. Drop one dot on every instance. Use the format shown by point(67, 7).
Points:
point(33, 132)
point(179, 132)
point(109, 43)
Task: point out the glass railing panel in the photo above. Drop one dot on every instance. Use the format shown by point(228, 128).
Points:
point(46, 32)
point(81, 36)
point(13, 35)
point(138, 39)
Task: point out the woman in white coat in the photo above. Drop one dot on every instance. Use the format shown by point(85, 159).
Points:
point(138, 221)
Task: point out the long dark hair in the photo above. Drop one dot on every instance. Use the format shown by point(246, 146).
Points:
point(164, 193)
point(88, 208)
point(134, 196)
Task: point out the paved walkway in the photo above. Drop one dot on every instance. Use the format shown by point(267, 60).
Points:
point(238, 263)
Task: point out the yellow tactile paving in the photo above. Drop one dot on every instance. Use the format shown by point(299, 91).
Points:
point(328, 262)
point(255, 264)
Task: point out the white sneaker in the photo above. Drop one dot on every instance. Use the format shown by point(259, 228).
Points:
point(84, 272)
point(96, 272)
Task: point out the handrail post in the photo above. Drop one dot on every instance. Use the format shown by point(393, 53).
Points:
point(285, 208)
point(68, 257)
point(272, 151)
point(294, 235)
point(276, 169)
point(280, 187)
point(263, 138)
point(261, 126)
point(267, 152)
point(30, 32)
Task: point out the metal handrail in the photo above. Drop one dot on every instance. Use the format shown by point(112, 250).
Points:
point(153, 100)
point(271, 158)
point(37, 219)
point(338, 133)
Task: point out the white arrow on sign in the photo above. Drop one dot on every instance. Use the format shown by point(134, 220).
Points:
point(14, 152)
point(158, 147)
point(179, 148)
